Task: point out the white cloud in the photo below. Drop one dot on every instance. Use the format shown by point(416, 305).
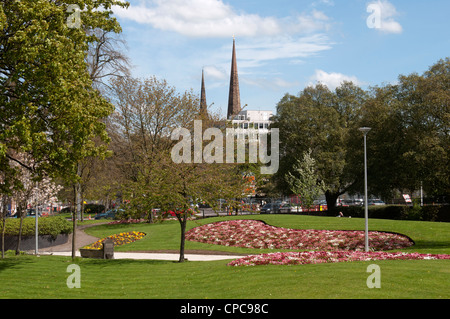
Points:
point(214, 18)
point(254, 53)
point(333, 80)
point(272, 84)
point(215, 73)
point(385, 12)
point(325, 2)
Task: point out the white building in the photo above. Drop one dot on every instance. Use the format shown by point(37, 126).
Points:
point(252, 121)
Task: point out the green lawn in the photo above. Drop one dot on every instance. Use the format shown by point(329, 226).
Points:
point(45, 276)
point(429, 237)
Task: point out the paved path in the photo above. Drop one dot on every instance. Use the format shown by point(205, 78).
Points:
point(82, 239)
point(156, 256)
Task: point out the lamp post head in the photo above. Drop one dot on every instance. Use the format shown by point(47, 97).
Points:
point(365, 130)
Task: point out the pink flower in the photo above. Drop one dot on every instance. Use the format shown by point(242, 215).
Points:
point(315, 257)
point(256, 234)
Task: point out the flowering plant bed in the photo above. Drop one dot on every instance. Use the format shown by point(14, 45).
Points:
point(257, 234)
point(316, 257)
point(118, 239)
point(127, 221)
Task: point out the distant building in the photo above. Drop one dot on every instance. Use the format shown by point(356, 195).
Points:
point(203, 105)
point(234, 98)
point(244, 121)
point(249, 122)
point(257, 121)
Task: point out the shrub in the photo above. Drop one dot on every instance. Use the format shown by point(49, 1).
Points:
point(51, 225)
point(396, 212)
point(412, 213)
point(88, 209)
point(93, 208)
point(431, 213)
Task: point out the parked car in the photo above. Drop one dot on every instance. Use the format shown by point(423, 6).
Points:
point(289, 208)
point(359, 202)
point(31, 212)
point(271, 208)
point(110, 214)
point(376, 202)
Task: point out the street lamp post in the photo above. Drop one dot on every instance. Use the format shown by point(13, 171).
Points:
point(365, 130)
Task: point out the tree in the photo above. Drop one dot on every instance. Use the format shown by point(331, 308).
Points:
point(407, 147)
point(324, 122)
point(148, 113)
point(32, 194)
point(409, 141)
point(175, 189)
point(3, 213)
point(106, 59)
point(50, 109)
point(104, 62)
point(303, 180)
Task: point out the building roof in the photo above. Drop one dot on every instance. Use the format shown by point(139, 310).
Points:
point(234, 99)
point(203, 105)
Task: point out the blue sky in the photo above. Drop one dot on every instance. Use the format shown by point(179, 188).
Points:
point(282, 46)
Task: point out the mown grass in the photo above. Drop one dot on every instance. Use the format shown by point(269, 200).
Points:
point(45, 276)
point(429, 237)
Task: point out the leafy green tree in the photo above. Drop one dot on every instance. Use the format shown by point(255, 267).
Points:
point(303, 180)
point(324, 122)
point(49, 108)
point(177, 188)
point(408, 145)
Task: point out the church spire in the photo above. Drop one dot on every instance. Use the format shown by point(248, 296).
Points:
point(203, 105)
point(234, 99)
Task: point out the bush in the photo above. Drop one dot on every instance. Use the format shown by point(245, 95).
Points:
point(431, 213)
point(396, 212)
point(93, 208)
point(51, 225)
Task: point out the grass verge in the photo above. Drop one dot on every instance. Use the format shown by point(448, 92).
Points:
point(46, 276)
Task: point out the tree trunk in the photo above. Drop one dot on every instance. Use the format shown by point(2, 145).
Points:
point(74, 236)
point(3, 233)
point(78, 192)
point(20, 233)
point(78, 200)
point(74, 220)
point(331, 199)
point(82, 207)
point(182, 220)
point(3, 212)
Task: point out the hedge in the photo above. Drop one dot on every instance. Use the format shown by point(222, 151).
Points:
point(50, 225)
point(398, 212)
point(88, 209)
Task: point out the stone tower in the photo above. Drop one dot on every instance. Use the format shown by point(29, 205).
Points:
point(234, 99)
point(203, 106)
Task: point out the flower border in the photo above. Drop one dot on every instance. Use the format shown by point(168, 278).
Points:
point(118, 239)
point(317, 257)
point(256, 234)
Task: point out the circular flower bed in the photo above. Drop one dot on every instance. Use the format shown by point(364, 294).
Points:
point(256, 234)
point(316, 257)
point(119, 239)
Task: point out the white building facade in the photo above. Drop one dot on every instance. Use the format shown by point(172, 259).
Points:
point(250, 122)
